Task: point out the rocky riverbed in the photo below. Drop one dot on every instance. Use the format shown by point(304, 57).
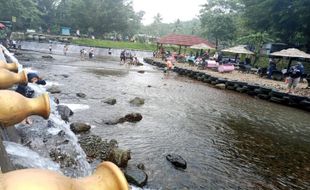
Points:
point(223, 139)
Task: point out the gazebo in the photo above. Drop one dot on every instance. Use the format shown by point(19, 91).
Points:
point(182, 40)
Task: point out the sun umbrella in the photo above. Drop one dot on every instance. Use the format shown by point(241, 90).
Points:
point(2, 26)
point(201, 46)
point(238, 49)
point(291, 52)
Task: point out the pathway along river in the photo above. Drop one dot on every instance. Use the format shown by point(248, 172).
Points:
point(230, 141)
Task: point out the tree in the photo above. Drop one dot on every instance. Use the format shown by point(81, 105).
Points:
point(286, 19)
point(218, 19)
point(26, 11)
point(177, 26)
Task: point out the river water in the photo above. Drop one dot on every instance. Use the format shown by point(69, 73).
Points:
point(229, 140)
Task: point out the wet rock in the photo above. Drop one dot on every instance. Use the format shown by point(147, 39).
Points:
point(133, 117)
point(139, 64)
point(176, 160)
point(137, 101)
point(54, 90)
point(149, 86)
point(119, 157)
point(136, 176)
point(110, 101)
point(79, 127)
point(47, 57)
point(65, 75)
point(141, 72)
point(220, 86)
point(62, 158)
point(96, 148)
point(81, 95)
point(141, 166)
point(56, 100)
point(65, 112)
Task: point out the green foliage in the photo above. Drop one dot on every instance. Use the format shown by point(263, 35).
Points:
point(285, 19)
point(219, 19)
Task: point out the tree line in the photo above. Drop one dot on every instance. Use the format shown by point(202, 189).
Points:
point(224, 22)
point(89, 16)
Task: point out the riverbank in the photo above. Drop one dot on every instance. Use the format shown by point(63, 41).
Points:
point(251, 84)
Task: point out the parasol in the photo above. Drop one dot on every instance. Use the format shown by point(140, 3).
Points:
point(238, 49)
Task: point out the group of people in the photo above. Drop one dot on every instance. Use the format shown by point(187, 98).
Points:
point(293, 74)
point(83, 53)
point(127, 55)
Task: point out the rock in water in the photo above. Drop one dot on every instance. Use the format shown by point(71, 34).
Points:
point(65, 112)
point(110, 101)
point(136, 176)
point(133, 117)
point(137, 101)
point(176, 160)
point(79, 127)
point(81, 95)
point(119, 157)
point(54, 90)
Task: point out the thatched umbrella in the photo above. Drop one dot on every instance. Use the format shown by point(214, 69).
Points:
point(238, 49)
point(291, 53)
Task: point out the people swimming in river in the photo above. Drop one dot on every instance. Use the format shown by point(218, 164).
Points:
point(27, 91)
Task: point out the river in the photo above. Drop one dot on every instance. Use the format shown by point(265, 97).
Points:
point(229, 140)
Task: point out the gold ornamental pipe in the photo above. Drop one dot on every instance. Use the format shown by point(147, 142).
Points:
point(9, 66)
point(15, 107)
point(106, 177)
point(8, 78)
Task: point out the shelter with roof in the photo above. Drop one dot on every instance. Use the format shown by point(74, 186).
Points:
point(182, 40)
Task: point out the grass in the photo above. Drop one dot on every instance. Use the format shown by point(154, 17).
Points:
point(115, 44)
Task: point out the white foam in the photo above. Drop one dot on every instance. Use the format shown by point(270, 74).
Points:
point(76, 107)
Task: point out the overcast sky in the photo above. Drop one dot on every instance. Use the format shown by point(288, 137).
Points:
point(170, 10)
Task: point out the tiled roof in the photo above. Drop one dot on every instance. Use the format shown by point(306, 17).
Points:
point(183, 40)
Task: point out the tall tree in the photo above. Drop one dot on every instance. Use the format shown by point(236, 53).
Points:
point(218, 19)
point(286, 19)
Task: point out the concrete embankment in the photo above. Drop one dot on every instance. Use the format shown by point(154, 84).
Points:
point(251, 89)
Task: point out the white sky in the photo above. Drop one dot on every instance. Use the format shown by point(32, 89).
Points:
point(170, 10)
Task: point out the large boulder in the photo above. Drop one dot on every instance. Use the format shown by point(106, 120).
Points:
point(176, 160)
point(136, 176)
point(98, 149)
point(65, 112)
point(79, 127)
point(119, 157)
point(137, 101)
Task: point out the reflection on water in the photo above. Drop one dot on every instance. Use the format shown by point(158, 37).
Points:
point(230, 141)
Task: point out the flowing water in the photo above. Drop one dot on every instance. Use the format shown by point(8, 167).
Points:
point(51, 138)
point(229, 140)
